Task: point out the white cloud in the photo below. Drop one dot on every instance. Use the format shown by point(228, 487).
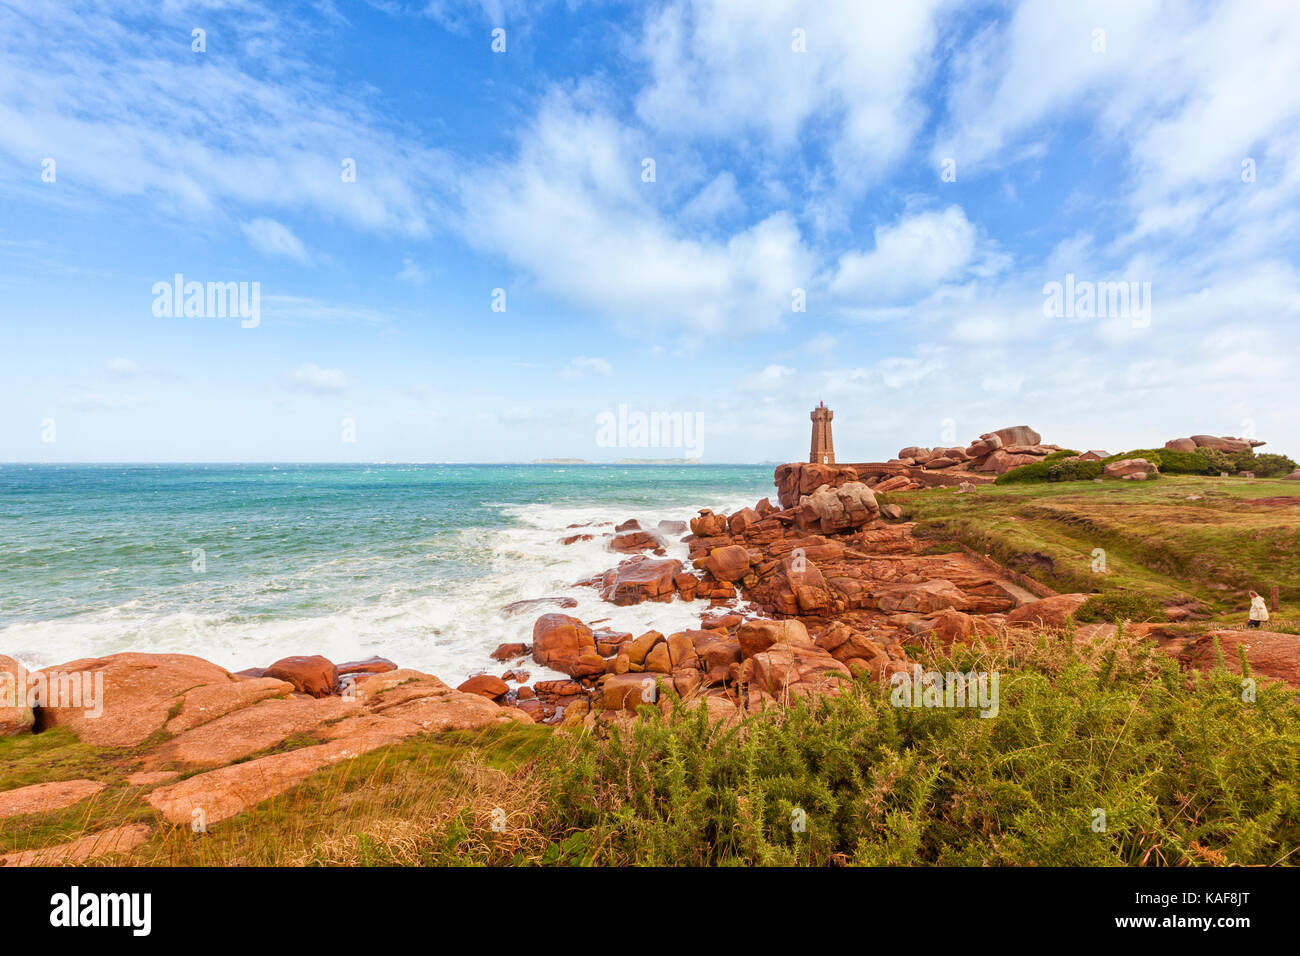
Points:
point(581, 366)
point(572, 210)
point(192, 133)
point(715, 201)
point(727, 68)
point(911, 257)
point(412, 273)
point(274, 239)
point(771, 378)
point(123, 366)
point(310, 377)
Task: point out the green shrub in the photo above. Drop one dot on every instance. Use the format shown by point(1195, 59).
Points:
point(1186, 772)
point(1047, 470)
point(1058, 455)
point(1115, 606)
point(1271, 466)
point(1035, 472)
point(1074, 471)
point(1218, 460)
point(1154, 455)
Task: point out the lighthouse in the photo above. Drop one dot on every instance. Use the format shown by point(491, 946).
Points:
point(823, 449)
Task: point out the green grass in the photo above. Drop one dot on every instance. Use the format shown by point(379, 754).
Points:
point(1156, 542)
point(1186, 772)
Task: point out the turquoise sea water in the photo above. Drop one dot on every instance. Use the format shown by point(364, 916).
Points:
point(245, 563)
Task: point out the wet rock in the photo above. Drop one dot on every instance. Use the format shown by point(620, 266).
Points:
point(559, 641)
point(314, 675)
point(485, 685)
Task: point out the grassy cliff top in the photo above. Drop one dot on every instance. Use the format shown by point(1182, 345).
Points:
point(1175, 538)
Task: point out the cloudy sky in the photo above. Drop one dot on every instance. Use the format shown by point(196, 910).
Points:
point(730, 209)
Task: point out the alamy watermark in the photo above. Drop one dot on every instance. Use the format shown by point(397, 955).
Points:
point(1084, 299)
point(71, 690)
point(637, 429)
point(212, 300)
point(922, 688)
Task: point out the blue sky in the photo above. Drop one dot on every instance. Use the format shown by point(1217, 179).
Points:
point(795, 146)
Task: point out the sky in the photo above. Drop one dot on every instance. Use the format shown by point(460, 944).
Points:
point(483, 230)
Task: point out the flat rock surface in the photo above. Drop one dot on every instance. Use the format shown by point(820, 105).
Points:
point(47, 797)
point(117, 840)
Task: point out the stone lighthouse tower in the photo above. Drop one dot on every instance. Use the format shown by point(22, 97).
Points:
point(823, 449)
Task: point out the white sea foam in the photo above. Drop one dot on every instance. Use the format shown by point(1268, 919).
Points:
point(442, 626)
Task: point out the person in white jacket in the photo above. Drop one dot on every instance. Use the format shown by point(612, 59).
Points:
point(1258, 610)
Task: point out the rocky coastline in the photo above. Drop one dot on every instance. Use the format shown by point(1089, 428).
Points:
point(795, 599)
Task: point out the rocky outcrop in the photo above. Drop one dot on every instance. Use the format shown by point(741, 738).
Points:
point(144, 689)
point(1225, 443)
point(179, 713)
point(639, 579)
point(485, 685)
point(105, 843)
point(827, 509)
point(1271, 655)
point(15, 716)
point(313, 675)
point(47, 797)
point(563, 643)
point(1048, 612)
point(1132, 469)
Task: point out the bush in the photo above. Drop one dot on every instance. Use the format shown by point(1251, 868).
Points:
point(1051, 471)
point(1035, 472)
point(1218, 461)
point(1154, 455)
point(1271, 466)
point(1115, 606)
point(1058, 455)
point(1186, 772)
point(1074, 471)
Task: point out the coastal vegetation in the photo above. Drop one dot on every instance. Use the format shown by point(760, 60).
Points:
point(1102, 753)
point(1180, 540)
point(1204, 461)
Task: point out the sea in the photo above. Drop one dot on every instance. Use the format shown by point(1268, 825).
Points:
point(246, 564)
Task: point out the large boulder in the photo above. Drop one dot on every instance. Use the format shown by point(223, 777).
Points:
point(142, 692)
point(560, 642)
point(983, 446)
point(1225, 444)
point(1181, 444)
point(1016, 435)
point(796, 479)
point(313, 675)
point(640, 579)
point(922, 598)
point(635, 540)
point(758, 635)
point(708, 524)
point(15, 716)
point(835, 509)
point(485, 685)
point(1001, 461)
point(730, 563)
point(788, 670)
point(1136, 469)
point(1052, 611)
point(628, 691)
point(1270, 654)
